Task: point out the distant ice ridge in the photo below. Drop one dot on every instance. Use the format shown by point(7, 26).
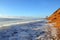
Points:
point(28, 31)
point(14, 20)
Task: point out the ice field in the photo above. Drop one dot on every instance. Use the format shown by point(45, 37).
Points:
point(23, 30)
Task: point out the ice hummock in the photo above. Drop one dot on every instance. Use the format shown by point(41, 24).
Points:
point(29, 31)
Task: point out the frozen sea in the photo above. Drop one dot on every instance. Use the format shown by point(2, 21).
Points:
point(25, 31)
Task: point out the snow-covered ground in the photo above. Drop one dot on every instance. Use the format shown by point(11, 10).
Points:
point(25, 31)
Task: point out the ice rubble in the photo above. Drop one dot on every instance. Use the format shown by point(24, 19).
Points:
point(28, 31)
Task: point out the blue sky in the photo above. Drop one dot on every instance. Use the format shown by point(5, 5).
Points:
point(34, 8)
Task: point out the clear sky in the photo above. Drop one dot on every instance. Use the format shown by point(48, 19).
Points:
point(34, 8)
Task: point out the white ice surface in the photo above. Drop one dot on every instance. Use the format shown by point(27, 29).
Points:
point(27, 31)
